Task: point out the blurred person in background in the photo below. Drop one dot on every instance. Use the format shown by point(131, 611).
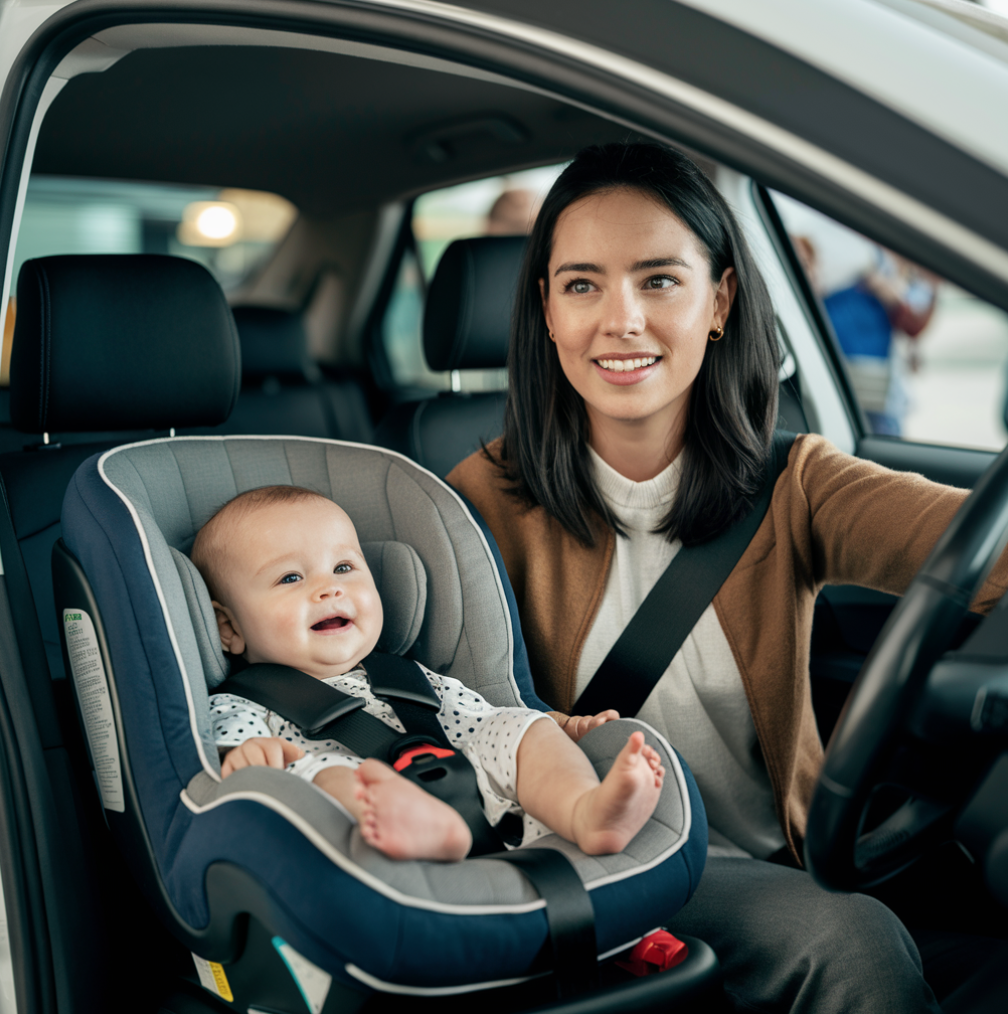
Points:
point(513, 213)
point(891, 297)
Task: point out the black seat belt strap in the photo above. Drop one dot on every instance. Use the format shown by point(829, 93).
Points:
point(569, 916)
point(663, 621)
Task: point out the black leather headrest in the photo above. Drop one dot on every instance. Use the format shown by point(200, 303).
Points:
point(121, 342)
point(467, 321)
point(273, 343)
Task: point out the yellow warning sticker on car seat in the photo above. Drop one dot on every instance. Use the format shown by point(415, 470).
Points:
point(212, 977)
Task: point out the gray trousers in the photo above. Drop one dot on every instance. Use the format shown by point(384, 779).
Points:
point(785, 944)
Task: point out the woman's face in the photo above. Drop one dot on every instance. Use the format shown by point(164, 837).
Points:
point(630, 304)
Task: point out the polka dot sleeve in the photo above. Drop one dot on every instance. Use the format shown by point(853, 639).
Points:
point(234, 719)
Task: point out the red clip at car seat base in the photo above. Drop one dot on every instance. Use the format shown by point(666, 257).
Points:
point(408, 756)
point(657, 952)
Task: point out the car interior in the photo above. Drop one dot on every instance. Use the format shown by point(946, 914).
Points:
point(358, 322)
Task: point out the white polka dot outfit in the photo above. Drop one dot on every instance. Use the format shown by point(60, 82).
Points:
point(487, 736)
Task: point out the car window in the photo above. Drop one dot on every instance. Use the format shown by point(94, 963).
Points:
point(928, 362)
point(501, 205)
point(231, 232)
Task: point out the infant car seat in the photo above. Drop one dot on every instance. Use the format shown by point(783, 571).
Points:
point(263, 878)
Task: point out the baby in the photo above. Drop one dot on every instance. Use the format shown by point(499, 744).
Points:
point(290, 586)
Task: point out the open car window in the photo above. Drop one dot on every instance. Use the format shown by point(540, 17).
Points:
point(499, 205)
point(928, 362)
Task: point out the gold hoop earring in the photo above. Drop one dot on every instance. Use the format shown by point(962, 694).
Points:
point(719, 332)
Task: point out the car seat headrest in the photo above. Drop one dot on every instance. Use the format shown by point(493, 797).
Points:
point(467, 319)
point(273, 344)
point(121, 342)
point(399, 576)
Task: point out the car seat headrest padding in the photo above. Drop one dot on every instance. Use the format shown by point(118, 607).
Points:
point(216, 667)
point(273, 344)
point(398, 574)
point(401, 580)
point(121, 342)
point(467, 318)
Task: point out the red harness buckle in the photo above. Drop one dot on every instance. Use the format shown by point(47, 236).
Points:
point(657, 952)
point(408, 756)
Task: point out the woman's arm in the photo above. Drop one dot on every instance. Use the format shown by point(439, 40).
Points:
point(869, 525)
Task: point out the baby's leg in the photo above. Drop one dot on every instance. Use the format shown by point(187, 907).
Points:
point(401, 820)
point(395, 815)
point(558, 785)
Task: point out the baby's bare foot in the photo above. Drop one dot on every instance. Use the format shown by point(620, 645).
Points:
point(607, 818)
point(401, 820)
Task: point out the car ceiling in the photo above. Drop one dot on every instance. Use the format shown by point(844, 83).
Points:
point(332, 133)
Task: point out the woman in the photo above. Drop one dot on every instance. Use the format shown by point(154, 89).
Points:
point(641, 408)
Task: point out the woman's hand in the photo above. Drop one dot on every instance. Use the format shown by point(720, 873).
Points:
point(261, 752)
point(577, 725)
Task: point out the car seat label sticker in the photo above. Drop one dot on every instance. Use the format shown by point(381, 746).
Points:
point(95, 705)
point(212, 977)
point(313, 982)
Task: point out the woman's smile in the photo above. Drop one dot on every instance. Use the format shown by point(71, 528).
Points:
point(626, 368)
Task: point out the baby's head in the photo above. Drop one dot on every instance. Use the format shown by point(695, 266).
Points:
point(289, 582)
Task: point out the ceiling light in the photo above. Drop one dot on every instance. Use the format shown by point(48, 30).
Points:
point(210, 223)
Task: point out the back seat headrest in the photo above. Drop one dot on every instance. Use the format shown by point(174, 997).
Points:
point(121, 342)
point(273, 343)
point(467, 319)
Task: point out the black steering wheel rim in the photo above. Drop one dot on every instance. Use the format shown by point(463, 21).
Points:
point(917, 634)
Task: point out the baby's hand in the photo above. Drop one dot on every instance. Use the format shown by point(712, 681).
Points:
point(577, 725)
point(261, 752)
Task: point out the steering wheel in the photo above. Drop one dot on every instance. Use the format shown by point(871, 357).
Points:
point(911, 699)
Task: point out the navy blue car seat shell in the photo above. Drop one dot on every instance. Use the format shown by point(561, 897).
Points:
point(129, 517)
point(143, 654)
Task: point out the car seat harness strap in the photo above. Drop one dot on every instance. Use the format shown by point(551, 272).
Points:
point(569, 916)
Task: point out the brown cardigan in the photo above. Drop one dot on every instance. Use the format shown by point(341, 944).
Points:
point(833, 519)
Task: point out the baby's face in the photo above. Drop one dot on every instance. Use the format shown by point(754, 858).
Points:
point(297, 589)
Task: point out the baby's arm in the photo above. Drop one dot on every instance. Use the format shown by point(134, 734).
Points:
point(260, 752)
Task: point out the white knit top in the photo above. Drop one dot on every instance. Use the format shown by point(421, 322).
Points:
point(699, 704)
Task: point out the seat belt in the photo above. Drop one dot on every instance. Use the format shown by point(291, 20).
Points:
point(663, 621)
point(424, 754)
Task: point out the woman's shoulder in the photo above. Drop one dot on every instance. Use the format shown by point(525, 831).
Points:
point(482, 472)
point(518, 526)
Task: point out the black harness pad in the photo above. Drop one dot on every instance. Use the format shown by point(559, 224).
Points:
point(307, 702)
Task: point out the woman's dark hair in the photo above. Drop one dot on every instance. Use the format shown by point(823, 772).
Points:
point(733, 404)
